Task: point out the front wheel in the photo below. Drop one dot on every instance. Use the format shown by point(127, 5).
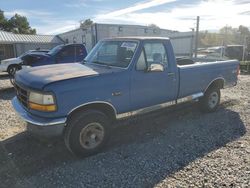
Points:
point(12, 70)
point(211, 100)
point(87, 132)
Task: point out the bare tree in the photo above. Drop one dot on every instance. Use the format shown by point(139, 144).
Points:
point(86, 23)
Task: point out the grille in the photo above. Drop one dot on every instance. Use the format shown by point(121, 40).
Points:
point(22, 95)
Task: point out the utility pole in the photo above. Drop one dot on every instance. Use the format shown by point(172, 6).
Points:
point(197, 36)
point(244, 48)
point(192, 44)
point(226, 37)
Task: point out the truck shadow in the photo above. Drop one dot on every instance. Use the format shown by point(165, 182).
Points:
point(5, 86)
point(159, 143)
point(7, 93)
point(4, 77)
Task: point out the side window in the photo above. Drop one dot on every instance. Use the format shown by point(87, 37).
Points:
point(80, 51)
point(141, 63)
point(156, 53)
point(68, 51)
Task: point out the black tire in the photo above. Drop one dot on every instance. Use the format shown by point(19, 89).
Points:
point(211, 100)
point(79, 124)
point(12, 70)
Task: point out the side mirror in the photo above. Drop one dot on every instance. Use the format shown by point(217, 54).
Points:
point(156, 68)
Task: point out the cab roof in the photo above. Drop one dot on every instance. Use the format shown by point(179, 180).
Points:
point(138, 38)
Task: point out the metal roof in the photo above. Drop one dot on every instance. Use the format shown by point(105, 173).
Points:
point(117, 25)
point(7, 37)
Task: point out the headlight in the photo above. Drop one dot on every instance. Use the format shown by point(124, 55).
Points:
point(41, 98)
point(42, 102)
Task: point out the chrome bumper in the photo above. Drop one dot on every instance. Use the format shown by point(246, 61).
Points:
point(40, 125)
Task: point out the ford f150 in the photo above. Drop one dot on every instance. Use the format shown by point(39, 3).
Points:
point(120, 78)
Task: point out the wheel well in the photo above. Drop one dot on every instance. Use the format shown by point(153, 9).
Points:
point(218, 83)
point(107, 109)
point(13, 65)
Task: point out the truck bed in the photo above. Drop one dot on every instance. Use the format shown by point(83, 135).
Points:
point(197, 77)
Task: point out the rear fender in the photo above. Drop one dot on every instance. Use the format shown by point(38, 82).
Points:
point(217, 82)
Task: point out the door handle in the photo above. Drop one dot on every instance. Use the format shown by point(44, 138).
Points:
point(171, 74)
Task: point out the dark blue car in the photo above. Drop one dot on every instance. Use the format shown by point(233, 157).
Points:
point(69, 53)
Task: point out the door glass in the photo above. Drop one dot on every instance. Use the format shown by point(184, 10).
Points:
point(79, 51)
point(68, 51)
point(156, 53)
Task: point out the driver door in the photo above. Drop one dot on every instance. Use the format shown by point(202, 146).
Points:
point(156, 86)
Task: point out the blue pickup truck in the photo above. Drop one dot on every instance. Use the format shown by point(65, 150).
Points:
point(119, 78)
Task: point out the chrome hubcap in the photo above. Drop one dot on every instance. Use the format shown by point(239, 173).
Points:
point(91, 135)
point(213, 99)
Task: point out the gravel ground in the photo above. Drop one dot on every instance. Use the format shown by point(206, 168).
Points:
point(178, 147)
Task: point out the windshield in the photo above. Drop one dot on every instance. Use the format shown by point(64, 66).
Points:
point(54, 50)
point(112, 53)
point(22, 55)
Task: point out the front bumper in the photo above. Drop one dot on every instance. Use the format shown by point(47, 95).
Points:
point(3, 68)
point(38, 125)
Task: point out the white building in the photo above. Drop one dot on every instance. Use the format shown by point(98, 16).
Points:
point(13, 45)
point(182, 41)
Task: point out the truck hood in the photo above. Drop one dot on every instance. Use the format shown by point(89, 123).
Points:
point(38, 77)
point(32, 58)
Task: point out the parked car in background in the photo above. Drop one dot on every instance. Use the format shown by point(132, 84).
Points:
point(119, 78)
point(220, 53)
point(69, 53)
point(13, 64)
point(234, 52)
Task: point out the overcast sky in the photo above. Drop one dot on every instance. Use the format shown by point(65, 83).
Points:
point(56, 16)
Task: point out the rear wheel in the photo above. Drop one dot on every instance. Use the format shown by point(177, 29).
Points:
point(210, 101)
point(87, 132)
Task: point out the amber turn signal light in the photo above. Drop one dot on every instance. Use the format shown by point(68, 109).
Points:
point(45, 108)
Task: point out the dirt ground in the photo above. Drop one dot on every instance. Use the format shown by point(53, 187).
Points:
point(176, 147)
